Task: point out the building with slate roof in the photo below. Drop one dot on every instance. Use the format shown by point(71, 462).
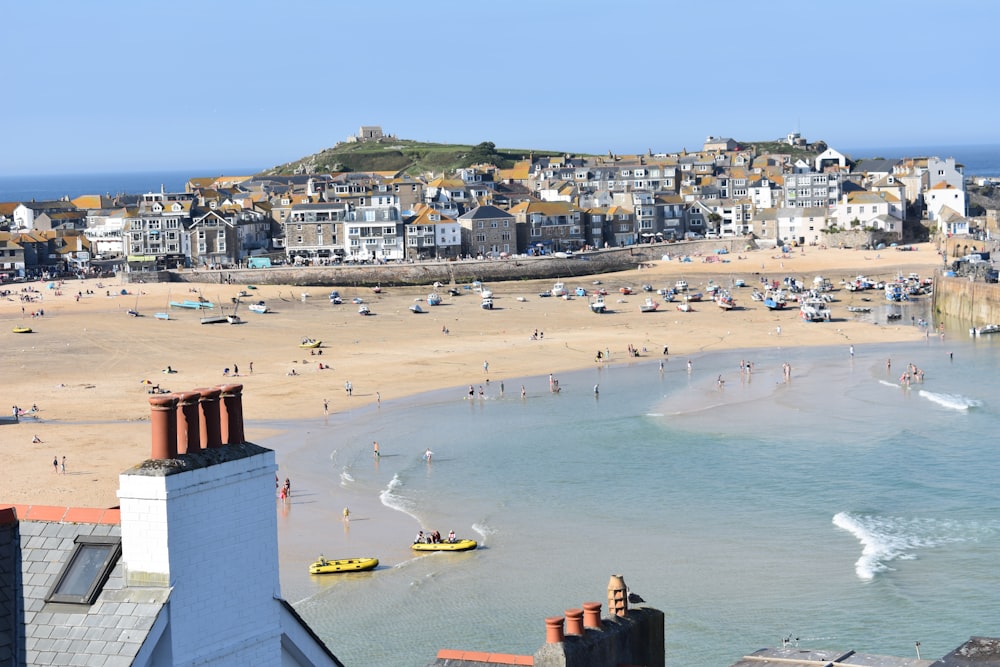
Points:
point(154, 581)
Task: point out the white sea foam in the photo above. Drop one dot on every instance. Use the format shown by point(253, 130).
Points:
point(885, 539)
point(393, 499)
point(345, 477)
point(483, 531)
point(950, 401)
point(888, 384)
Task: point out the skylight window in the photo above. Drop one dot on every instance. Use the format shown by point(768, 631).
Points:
point(87, 570)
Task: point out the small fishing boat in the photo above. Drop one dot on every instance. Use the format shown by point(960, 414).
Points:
point(259, 307)
point(985, 330)
point(725, 300)
point(21, 329)
point(357, 300)
point(625, 290)
point(335, 298)
point(457, 545)
point(859, 309)
point(598, 305)
point(773, 303)
point(324, 566)
point(233, 318)
point(648, 306)
point(487, 303)
point(681, 285)
point(581, 291)
point(214, 319)
point(377, 289)
point(363, 310)
point(814, 310)
point(433, 299)
point(694, 297)
point(559, 289)
point(453, 291)
point(162, 316)
point(310, 343)
point(684, 307)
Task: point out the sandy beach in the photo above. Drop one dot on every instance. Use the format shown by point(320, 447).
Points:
point(88, 365)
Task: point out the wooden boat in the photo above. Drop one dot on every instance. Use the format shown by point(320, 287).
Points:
point(648, 306)
point(310, 343)
point(214, 319)
point(324, 566)
point(457, 545)
point(21, 329)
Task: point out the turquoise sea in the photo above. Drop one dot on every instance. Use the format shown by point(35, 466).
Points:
point(838, 507)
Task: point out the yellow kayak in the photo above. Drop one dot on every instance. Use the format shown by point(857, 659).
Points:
point(457, 545)
point(324, 566)
point(22, 329)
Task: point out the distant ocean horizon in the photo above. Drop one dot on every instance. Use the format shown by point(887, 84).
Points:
point(979, 160)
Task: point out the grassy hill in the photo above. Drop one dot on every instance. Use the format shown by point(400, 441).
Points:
point(415, 157)
point(405, 156)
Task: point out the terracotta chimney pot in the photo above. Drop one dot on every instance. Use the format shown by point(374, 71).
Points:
point(231, 413)
point(164, 426)
point(211, 437)
point(188, 422)
point(617, 596)
point(554, 630)
point(592, 615)
point(574, 621)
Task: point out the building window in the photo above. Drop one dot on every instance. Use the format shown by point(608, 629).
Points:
point(87, 570)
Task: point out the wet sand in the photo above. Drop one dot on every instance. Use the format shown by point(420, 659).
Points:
point(88, 365)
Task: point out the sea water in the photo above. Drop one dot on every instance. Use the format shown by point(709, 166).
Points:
point(839, 508)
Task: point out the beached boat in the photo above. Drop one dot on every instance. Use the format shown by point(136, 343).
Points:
point(324, 566)
point(487, 303)
point(193, 305)
point(415, 308)
point(814, 310)
point(681, 285)
point(233, 318)
point(310, 343)
point(433, 299)
point(625, 290)
point(580, 291)
point(486, 292)
point(457, 545)
point(363, 310)
point(648, 306)
point(335, 298)
point(859, 309)
point(21, 329)
point(213, 319)
point(774, 304)
point(259, 307)
point(598, 305)
point(694, 297)
point(725, 300)
point(559, 289)
point(684, 307)
point(985, 330)
point(162, 316)
point(453, 291)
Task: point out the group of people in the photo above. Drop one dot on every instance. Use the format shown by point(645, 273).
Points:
point(284, 490)
point(433, 537)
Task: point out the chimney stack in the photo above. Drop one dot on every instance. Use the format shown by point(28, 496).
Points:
point(164, 425)
point(617, 596)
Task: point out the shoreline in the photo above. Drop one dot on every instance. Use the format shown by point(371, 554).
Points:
point(86, 363)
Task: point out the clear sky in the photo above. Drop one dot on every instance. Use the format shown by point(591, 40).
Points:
point(130, 85)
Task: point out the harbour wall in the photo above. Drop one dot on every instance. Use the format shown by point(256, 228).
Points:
point(974, 303)
point(607, 260)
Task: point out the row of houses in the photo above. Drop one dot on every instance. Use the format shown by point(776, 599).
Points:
point(539, 205)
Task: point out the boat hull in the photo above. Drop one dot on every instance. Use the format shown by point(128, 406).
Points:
point(343, 565)
point(457, 545)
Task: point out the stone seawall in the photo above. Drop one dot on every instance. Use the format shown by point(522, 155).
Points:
point(425, 273)
point(972, 303)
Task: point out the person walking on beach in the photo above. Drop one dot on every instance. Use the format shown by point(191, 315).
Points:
point(55, 464)
point(251, 368)
point(378, 398)
point(349, 388)
point(523, 392)
point(347, 514)
point(852, 351)
point(375, 448)
point(236, 369)
point(326, 407)
point(486, 366)
point(62, 466)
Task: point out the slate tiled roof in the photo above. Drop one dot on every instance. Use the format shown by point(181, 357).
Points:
point(108, 633)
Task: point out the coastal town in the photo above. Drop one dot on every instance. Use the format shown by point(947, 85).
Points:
point(170, 437)
point(795, 193)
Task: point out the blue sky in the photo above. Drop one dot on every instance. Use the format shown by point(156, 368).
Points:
point(115, 86)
